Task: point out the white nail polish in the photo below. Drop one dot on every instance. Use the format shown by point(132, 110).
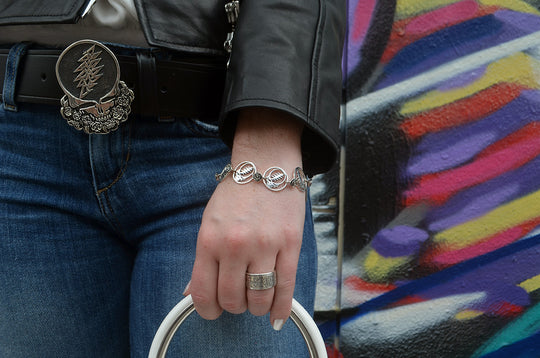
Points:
point(187, 288)
point(278, 324)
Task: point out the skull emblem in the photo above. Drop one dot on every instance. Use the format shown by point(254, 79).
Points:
point(95, 100)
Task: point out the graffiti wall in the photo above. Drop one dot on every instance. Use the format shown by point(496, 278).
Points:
point(429, 229)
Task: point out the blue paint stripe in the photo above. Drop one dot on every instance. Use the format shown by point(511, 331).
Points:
point(329, 328)
point(442, 46)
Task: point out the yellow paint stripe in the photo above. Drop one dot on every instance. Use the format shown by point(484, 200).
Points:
point(408, 8)
point(531, 284)
point(468, 314)
point(518, 68)
point(379, 268)
point(497, 220)
point(515, 5)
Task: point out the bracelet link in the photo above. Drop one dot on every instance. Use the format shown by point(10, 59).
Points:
point(274, 178)
point(224, 172)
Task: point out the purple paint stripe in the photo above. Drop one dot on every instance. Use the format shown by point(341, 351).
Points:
point(521, 20)
point(440, 151)
point(475, 207)
point(464, 79)
point(354, 45)
point(399, 241)
point(498, 279)
point(481, 199)
point(527, 104)
point(432, 57)
point(457, 152)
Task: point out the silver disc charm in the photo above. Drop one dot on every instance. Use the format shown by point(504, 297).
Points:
point(95, 99)
point(244, 172)
point(275, 178)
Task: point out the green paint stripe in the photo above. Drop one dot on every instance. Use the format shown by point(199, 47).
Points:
point(523, 327)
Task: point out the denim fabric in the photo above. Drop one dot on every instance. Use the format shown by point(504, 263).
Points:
point(15, 55)
point(97, 241)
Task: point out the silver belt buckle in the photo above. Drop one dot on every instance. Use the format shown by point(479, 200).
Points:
point(95, 99)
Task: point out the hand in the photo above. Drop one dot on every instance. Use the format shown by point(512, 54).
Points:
point(248, 228)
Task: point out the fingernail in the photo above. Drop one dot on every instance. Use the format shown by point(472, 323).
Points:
point(186, 289)
point(278, 324)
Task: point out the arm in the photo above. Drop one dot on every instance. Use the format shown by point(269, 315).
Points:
point(248, 228)
point(287, 56)
point(281, 108)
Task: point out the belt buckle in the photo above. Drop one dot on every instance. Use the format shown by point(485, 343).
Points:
point(95, 99)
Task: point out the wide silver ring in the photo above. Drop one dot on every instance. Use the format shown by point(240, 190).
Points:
point(260, 281)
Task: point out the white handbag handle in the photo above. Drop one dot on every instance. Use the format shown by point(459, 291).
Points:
point(184, 308)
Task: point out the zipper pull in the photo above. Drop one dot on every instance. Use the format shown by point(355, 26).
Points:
point(88, 8)
point(232, 9)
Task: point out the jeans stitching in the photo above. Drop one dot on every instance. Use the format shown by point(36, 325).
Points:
point(113, 220)
point(124, 166)
point(195, 128)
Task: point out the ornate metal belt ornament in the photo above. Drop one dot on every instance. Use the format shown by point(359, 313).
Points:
point(95, 99)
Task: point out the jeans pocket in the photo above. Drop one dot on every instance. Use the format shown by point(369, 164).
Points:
point(203, 128)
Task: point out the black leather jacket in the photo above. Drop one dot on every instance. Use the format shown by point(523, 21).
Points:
point(286, 55)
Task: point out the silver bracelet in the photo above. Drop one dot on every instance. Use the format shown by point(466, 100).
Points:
point(274, 178)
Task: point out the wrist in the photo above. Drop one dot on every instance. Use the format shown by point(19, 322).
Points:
point(268, 138)
point(274, 178)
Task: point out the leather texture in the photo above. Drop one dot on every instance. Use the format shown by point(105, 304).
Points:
point(13, 12)
point(198, 96)
point(286, 55)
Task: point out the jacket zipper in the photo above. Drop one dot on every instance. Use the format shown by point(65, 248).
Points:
point(232, 9)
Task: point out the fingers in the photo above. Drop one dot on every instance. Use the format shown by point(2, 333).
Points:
point(232, 286)
point(260, 301)
point(237, 236)
point(203, 288)
point(286, 264)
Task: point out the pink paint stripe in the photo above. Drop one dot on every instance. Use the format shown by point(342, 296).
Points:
point(491, 244)
point(439, 187)
point(407, 31)
point(451, 14)
point(362, 17)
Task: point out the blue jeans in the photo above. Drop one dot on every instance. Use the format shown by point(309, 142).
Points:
point(98, 235)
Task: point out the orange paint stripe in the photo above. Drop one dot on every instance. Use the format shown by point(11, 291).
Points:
point(463, 111)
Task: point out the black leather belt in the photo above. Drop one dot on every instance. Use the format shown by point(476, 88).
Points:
point(178, 88)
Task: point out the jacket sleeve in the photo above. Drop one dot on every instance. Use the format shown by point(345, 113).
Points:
point(286, 55)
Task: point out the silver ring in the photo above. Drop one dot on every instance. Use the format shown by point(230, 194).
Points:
point(260, 281)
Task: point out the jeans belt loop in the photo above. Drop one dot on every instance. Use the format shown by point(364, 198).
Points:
point(148, 87)
point(13, 64)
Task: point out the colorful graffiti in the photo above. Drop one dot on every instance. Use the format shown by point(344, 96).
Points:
point(437, 247)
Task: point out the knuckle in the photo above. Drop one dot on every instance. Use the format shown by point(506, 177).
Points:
point(258, 310)
point(291, 232)
point(292, 239)
point(260, 302)
point(232, 306)
point(209, 315)
point(206, 241)
point(236, 244)
point(286, 284)
point(205, 307)
point(201, 300)
point(259, 298)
